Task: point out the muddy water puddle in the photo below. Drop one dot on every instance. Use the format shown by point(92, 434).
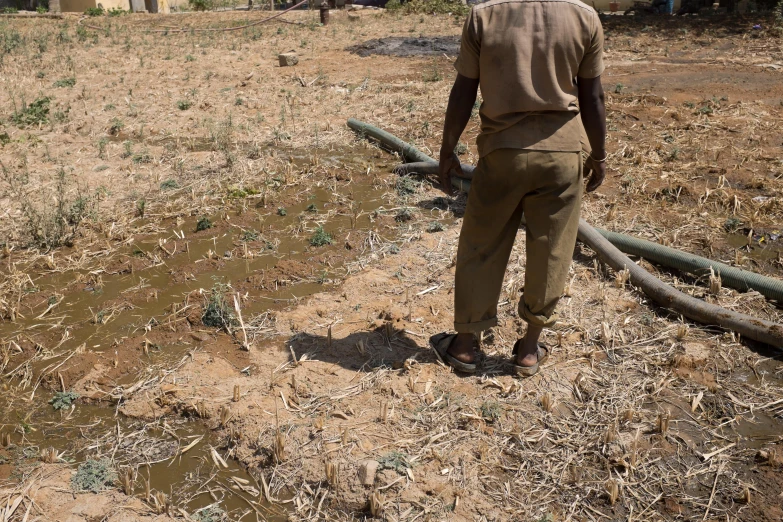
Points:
point(92, 312)
point(763, 247)
point(176, 457)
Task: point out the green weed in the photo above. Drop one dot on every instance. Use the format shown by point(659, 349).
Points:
point(282, 211)
point(210, 514)
point(404, 215)
point(321, 237)
point(94, 475)
point(51, 216)
point(203, 224)
point(250, 235)
point(406, 186)
point(395, 460)
point(184, 105)
point(94, 11)
point(63, 400)
point(732, 224)
point(435, 226)
point(491, 411)
point(201, 5)
point(169, 184)
point(33, 114)
point(65, 82)
point(217, 312)
point(116, 126)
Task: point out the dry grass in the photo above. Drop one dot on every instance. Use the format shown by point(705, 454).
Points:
point(630, 420)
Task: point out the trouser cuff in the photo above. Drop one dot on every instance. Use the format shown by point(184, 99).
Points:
point(476, 327)
point(546, 321)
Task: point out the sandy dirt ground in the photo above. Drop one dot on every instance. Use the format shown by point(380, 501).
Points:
point(327, 392)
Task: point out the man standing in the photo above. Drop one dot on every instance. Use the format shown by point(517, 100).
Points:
point(534, 59)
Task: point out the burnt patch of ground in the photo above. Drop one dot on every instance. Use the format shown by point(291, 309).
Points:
point(407, 47)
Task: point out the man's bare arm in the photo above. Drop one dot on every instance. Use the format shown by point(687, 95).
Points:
point(593, 111)
point(461, 101)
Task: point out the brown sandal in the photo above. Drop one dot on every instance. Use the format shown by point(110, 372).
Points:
point(529, 371)
point(440, 343)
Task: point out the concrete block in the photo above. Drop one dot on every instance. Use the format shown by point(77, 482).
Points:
point(288, 59)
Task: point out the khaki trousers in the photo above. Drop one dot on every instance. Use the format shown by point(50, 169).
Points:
point(547, 188)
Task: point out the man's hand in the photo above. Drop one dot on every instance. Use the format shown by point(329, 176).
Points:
point(597, 173)
point(448, 162)
point(461, 100)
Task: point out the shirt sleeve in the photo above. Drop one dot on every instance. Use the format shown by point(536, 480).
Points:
point(593, 61)
point(467, 63)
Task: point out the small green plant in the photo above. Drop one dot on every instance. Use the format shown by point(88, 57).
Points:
point(94, 475)
point(40, 75)
point(311, 208)
point(33, 114)
point(117, 11)
point(5, 139)
point(460, 149)
point(454, 7)
point(403, 215)
point(217, 312)
point(190, 58)
point(102, 148)
point(491, 411)
point(393, 6)
point(128, 152)
point(52, 213)
point(200, 5)
point(432, 74)
point(9, 10)
point(321, 237)
point(282, 211)
point(204, 223)
point(241, 193)
point(116, 126)
point(142, 157)
point(619, 88)
point(406, 186)
point(65, 82)
point(41, 9)
point(435, 226)
point(210, 514)
point(732, 224)
point(184, 105)
point(169, 184)
point(395, 460)
point(94, 11)
point(63, 400)
point(250, 235)
point(141, 207)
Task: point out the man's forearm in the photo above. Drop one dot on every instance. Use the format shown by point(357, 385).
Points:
point(461, 101)
point(593, 112)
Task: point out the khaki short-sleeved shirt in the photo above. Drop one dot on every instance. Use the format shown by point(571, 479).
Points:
point(526, 55)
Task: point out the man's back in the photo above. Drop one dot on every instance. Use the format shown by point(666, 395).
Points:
point(526, 55)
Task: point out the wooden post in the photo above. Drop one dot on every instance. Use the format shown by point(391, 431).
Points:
point(271, 5)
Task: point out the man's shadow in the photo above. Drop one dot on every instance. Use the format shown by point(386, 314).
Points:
point(384, 346)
